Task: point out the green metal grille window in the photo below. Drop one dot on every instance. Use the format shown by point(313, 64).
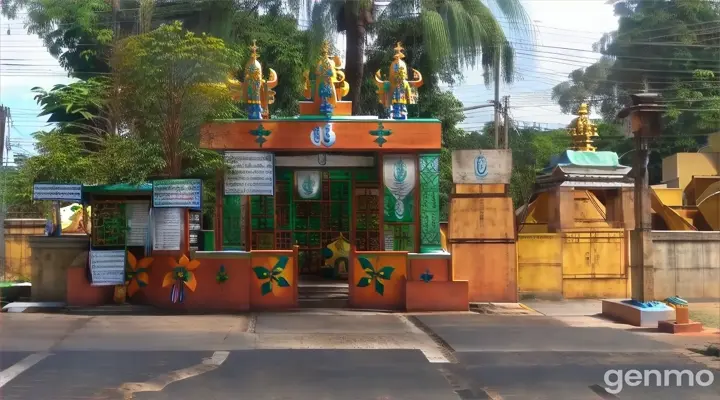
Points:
point(109, 226)
point(232, 223)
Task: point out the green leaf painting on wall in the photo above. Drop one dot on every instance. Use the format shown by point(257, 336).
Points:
point(273, 275)
point(374, 277)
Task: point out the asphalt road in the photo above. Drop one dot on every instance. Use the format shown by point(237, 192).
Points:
point(543, 358)
point(244, 374)
point(333, 357)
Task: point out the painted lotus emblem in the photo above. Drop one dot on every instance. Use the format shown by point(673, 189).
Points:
point(328, 137)
point(308, 186)
point(400, 172)
point(481, 166)
point(315, 136)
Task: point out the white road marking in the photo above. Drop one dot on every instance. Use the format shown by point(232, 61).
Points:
point(21, 366)
point(159, 383)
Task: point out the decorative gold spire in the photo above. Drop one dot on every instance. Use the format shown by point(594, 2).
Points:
point(253, 51)
point(325, 49)
point(399, 51)
point(582, 130)
point(398, 90)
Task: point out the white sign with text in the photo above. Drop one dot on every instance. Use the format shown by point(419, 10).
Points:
point(107, 267)
point(250, 173)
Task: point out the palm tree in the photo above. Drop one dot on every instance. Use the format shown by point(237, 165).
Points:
point(464, 32)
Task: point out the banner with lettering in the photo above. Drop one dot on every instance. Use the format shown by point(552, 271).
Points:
point(251, 173)
point(57, 192)
point(107, 267)
point(177, 193)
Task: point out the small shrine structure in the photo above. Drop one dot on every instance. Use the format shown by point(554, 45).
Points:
point(573, 234)
point(323, 195)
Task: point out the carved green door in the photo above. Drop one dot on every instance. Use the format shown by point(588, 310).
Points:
point(321, 214)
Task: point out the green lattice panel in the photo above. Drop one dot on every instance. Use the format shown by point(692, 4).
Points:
point(366, 175)
point(109, 226)
point(429, 202)
point(232, 223)
point(262, 217)
point(403, 237)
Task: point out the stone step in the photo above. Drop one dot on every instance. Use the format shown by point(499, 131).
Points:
point(339, 289)
point(323, 303)
point(115, 309)
point(314, 295)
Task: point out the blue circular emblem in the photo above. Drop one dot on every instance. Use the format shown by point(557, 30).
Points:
point(481, 166)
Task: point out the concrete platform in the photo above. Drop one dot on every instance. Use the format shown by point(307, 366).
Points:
point(565, 308)
point(507, 334)
point(621, 311)
point(674, 327)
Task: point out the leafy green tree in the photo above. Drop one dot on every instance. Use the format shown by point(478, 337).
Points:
point(283, 47)
point(168, 86)
point(77, 32)
point(589, 85)
point(462, 33)
point(669, 47)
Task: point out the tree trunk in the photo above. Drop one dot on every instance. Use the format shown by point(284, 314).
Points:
point(354, 52)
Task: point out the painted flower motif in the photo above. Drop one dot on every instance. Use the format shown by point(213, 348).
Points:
point(222, 275)
point(274, 275)
point(181, 276)
point(377, 277)
point(136, 273)
point(427, 276)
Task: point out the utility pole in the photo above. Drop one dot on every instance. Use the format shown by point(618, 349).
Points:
point(115, 12)
point(506, 122)
point(4, 122)
point(496, 75)
point(4, 117)
point(645, 123)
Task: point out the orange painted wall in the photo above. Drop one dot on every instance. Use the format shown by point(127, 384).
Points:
point(209, 295)
point(438, 267)
point(279, 297)
point(393, 296)
point(81, 294)
point(490, 269)
point(295, 135)
point(436, 296)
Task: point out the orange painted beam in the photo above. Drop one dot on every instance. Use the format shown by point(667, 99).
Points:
point(353, 133)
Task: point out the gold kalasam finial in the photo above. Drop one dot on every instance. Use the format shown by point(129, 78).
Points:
point(325, 49)
point(582, 130)
point(399, 51)
point(253, 51)
point(583, 110)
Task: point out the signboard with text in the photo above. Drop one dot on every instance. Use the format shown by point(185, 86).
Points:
point(57, 192)
point(250, 173)
point(481, 166)
point(107, 267)
point(177, 193)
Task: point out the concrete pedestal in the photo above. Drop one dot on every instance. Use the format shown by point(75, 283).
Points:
point(51, 257)
point(677, 327)
point(621, 311)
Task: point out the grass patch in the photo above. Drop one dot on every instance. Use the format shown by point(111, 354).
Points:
point(710, 318)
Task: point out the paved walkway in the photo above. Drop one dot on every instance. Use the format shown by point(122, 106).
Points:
point(320, 355)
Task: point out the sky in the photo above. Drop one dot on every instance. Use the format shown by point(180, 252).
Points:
point(565, 31)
